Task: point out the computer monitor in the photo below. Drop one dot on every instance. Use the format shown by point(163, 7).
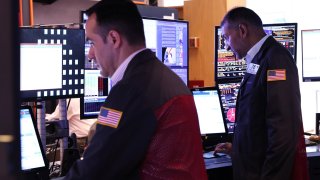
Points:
point(227, 66)
point(310, 58)
point(95, 93)
point(33, 158)
point(210, 114)
point(51, 63)
point(168, 39)
point(228, 95)
point(285, 34)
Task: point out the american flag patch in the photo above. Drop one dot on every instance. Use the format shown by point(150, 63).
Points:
point(276, 75)
point(109, 117)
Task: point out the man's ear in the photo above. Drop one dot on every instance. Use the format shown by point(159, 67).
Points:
point(243, 28)
point(114, 38)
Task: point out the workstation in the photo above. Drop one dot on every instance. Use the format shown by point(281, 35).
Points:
point(205, 66)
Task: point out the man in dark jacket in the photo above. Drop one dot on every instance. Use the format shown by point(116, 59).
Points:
point(148, 127)
point(268, 139)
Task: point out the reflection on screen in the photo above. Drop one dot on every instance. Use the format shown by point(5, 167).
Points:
point(31, 156)
point(209, 111)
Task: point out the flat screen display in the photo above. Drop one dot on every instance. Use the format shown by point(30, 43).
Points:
point(209, 109)
point(51, 63)
point(168, 39)
point(32, 154)
point(228, 96)
point(310, 58)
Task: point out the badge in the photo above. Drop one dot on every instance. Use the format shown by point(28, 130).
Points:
point(253, 68)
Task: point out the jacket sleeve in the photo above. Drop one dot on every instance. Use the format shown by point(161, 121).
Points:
point(283, 118)
point(115, 153)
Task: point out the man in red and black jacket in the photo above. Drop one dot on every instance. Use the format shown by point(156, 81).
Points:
point(148, 127)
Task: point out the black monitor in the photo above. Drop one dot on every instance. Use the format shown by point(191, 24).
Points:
point(310, 58)
point(168, 39)
point(51, 63)
point(228, 95)
point(210, 114)
point(226, 64)
point(33, 158)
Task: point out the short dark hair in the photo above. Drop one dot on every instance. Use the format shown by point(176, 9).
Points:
point(242, 15)
point(120, 15)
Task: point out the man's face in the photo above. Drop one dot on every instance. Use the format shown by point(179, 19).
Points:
point(101, 51)
point(233, 40)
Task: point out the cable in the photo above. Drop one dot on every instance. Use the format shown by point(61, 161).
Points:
point(68, 103)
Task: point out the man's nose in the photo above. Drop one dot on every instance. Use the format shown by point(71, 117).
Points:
point(91, 54)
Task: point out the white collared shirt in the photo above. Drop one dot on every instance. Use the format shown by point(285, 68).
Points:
point(118, 74)
point(255, 49)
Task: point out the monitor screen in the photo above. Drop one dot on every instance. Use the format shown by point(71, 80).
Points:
point(209, 109)
point(168, 39)
point(33, 158)
point(96, 90)
point(285, 34)
point(310, 58)
point(226, 64)
point(51, 63)
point(228, 95)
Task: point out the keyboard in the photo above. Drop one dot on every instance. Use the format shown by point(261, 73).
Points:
point(223, 159)
point(219, 158)
point(309, 142)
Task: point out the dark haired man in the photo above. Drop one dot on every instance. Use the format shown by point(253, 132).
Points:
point(268, 139)
point(148, 127)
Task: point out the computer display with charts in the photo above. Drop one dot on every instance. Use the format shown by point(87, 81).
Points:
point(51, 63)
point(228, 96)
point(168, 39)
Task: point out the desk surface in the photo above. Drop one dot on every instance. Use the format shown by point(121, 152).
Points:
point(312, 151)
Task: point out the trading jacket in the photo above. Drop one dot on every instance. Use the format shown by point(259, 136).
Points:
point(268, 140)
point(152, 132)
